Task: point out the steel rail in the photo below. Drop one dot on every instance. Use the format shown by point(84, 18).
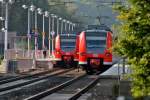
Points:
point(33, 80)
point(23, 77)
point(85, 89)
point(6, 77)
point(89, 86)
point(54, 89)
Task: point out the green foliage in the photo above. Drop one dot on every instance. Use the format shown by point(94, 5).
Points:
point(18, 15)
point(134, 42)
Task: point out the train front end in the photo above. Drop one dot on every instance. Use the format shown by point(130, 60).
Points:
point(95, 50)
point(68, 49)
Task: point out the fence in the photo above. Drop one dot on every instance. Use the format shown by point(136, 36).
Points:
point(24, 54)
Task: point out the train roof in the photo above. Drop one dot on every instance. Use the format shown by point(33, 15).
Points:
point(95, 30)
point(67, 34)
point(98, 27)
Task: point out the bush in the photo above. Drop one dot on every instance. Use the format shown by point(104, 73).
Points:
point(134, 42)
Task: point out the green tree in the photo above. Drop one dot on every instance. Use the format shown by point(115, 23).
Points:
point(18, 15)
point(134, 42)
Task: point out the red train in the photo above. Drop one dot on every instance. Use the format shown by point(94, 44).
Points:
point(66, 47)
point(91, 49)
point(95, 52)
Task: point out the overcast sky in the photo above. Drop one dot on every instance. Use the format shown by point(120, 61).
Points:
point(88, 10)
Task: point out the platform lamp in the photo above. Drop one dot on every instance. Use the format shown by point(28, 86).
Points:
point(2, 19)
point(65, 21)
point(73, 25)
point(6, 2)
point(61, 26)
point(70, 27)
point(32, 9)
point(53, 31)
point(40, 12)
point(45, 14)
point(58, 19)
point(28, 30)
point(36, 31)
point(49, 35)
point(55, 16)
point(68, 22)
point(2, 29)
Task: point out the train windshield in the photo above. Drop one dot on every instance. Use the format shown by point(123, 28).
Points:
point(68, 43)
point(96, 42)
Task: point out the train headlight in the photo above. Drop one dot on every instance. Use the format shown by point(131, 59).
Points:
point(108, 54)
point(109, 50)
point(57, 52)
point(83, 54)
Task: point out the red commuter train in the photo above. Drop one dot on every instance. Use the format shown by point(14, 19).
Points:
point(66, 48)
point(95, 49)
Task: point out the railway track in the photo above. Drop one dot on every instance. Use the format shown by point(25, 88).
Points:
point(21, 82)
point(15, 91)
point(17, 76)
point(76, 87)
point(6, 77)
point(7, 80)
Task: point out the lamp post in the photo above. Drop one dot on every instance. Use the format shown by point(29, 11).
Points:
point(32, 9)
point(73, 25)
point(49, 37)
point(57, 26)
point(45, 14)
point(65, 21)
point(61, 29)
point(52, 15)
point(35, 33)
point(28, 30)
point(2, 19)
point(43, 33)
point(39, 11)
point(53, 32)
point(68, 22)
point(6, 2)
point(70, 26)
point(57, 23)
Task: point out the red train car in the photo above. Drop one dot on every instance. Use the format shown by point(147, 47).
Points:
point(66, 48)
point(95, 52)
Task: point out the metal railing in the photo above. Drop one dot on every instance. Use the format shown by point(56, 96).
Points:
point(23, 54)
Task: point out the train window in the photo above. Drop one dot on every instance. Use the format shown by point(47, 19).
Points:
point(96, 42)
point(68, 43)
point(68, 40)
point(101, 34)
point(95, 38)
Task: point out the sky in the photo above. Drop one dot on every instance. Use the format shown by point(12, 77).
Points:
point(88, 10)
